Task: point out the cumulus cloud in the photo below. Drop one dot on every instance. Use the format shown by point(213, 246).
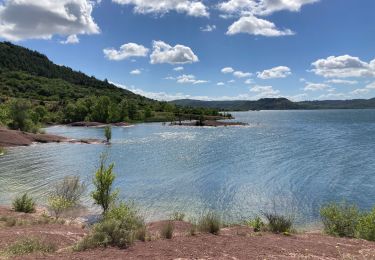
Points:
point(316, 86)
point(178, 68)
point(364, 90)
point(264, 92)
point(276, 72)
point(208, 28)
point(342, 81)
point(71, 39)
point(257, 26)
point(126, 51)
point(165, 53)
point(220, 84)
point(227, 70)
point(28, 19)
point(261, 7)
point(136, 72)
point(160, 7)
point(241, 74)
point(189, 79)
point(343, 67)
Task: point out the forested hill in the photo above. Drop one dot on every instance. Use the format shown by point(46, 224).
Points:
point(15, 58)
point(277, 104)
point(35, 91)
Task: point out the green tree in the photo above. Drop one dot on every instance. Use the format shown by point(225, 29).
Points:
point(19, 114)
point(103, 195)
point(108, 133)
point(100, 111)
point(132, 111)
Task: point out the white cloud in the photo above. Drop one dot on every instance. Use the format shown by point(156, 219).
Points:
point(227, 70)
point(264, 92)
point(343, 67)
point(71, 39)
point(208, 28)
point(241, 74)
point(256, 26)
point(371, 85)
point(42, 19)
point(178, 68)
point(220, 84)
point(298, 97)
point(276, 72)
point(189, 79)
point(231, 81)
point(316, 86)
point(170, 78)
point(126, 51)
point(333, 96)
point(165, 53)
point(249, 81)
point(342, 81)
point(136, 72)
point(360, 91)
point(261, 7)
point(189, 7)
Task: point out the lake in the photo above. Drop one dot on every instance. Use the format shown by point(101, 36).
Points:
point(291, 161)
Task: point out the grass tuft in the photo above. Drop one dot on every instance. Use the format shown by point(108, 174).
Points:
point(24, 204)
point(28, 246)
point(167, 230)
point(209, 223)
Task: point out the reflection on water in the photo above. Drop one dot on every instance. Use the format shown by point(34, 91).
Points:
point(296, 160)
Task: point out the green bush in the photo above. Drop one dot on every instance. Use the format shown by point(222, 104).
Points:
point(108, 133)
point(209, 223)
point(257, 224)
point(24, 204)
point(66, 195)
point(167, 230)
point(121, 226)
point(2, 151)
point(177, 216)
point(340, 219)
point(103, 194)
point(366, 226)
point(28, 246)
point(278, 223)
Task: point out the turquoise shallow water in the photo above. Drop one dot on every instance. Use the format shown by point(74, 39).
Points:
point(292, 160)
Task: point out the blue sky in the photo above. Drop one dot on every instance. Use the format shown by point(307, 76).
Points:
point(211, 50)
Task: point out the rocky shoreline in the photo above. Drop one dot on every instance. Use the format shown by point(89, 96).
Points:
point(13, 138)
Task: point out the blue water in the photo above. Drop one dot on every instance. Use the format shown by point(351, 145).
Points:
point(291, 161)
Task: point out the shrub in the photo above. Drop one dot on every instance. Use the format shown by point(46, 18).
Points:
point(167, 230)
point(28, 246)
point(366, 226)
point(66, 195)
point(177, 216)
point(257, 224)
point(209, 223)
point(103, 181)
point(24, 204)
point(340, 219)
point(278, 223)
point(108, 133)
point(2, 151)
point(121, 225)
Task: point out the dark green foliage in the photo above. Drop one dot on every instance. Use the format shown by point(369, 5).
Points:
point(340, 219)
point(103, 195)
point(210, 223)
point(120, 227)
point(167, 230)
point(24, 204)
point(28, 246)
point(278, 223)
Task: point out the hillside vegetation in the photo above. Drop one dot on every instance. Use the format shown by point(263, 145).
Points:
point(35, 91)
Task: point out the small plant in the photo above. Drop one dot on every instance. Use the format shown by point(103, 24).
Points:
point(257, 224)
point(278, 223)
point(108, 133)
point(121, 226)
point(167, 230)
point(103, 194)
point(2, 150)
point(28, 246)
point(340, 219)
point(24, 204)
point(209, 223)
point(66, 195)
point(177, 216)
point(366, 226)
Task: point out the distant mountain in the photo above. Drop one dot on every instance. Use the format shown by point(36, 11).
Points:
point(277, 104)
